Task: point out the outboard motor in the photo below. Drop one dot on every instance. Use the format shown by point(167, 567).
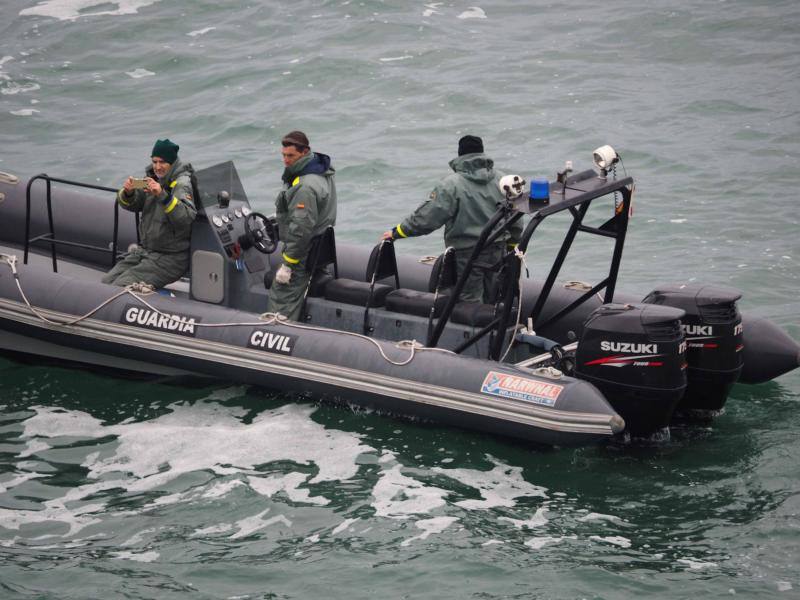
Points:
point(713, 328)
point(636, 355)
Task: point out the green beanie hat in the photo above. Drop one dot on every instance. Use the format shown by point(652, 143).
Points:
point(165, 150)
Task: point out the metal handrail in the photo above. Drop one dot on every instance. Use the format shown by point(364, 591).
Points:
point(50, 238)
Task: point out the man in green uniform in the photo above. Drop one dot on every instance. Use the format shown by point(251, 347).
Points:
point(165, 199)
point(305, 207)
point(463, 202)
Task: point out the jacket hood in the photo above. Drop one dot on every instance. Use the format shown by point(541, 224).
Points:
point(476, 167)
point(315, 163)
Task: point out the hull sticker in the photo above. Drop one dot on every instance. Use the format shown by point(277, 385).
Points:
point(521, 388)
point(139, 316)
point(269, 341)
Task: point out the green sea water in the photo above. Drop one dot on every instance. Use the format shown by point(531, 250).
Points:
point(120, 488)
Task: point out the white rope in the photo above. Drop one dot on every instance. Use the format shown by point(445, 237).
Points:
point(140, 290)
point(11, 261)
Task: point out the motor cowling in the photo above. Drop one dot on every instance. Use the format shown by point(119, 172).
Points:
point(636, 355)
point(713, 330)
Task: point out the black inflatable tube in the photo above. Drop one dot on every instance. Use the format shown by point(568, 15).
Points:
point(768, 351)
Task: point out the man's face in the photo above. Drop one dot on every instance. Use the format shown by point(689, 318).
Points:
point(160, 167)
point(291, 155)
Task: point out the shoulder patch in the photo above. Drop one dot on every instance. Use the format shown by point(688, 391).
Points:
point(299, 206)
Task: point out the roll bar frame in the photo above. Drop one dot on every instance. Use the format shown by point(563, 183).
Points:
point(574, 195)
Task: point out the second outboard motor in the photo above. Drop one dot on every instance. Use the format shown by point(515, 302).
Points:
point(713, 328)
point(636, 355)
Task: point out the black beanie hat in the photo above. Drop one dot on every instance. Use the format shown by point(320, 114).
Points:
point(165, 150)
point(469, 144)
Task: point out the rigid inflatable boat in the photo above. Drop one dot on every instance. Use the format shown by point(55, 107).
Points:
point(547, 362)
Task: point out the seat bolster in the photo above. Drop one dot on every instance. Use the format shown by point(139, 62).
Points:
point(350, 291)
point(413, 302)
point(473, 314)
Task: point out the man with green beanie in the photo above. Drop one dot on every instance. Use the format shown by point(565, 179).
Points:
point(463, 202)
point(305, 207)
point(165, 198)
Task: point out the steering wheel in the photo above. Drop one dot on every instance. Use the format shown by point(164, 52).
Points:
point(261, 234)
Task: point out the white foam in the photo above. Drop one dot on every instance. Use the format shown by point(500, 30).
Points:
point(250, 525)
point(592, 516)
point(432, 9)
point(289, 484)
point(474, 12)
point(139, 73)
point(69, 10)
point(200, 31)
point(696, 565)
point(616, 540)
point(219, 528)
point(343, 526)
point(677, 220)
point(784, 586)
point(54, 422)
point(5, 59)
point(53, 511)
point(429, 527)
point(537, 520)
point(138, 557)
point(223, 488)
point(395, 58)
point(20, 478)
point(24, 112)
point(498, 487)
point(201, 437)
point(398, 497)
point(138, 538)
point(539, 542)
point(32, 447)
point(15, 88)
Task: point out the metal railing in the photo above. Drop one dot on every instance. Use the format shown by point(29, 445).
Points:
point(50, 238)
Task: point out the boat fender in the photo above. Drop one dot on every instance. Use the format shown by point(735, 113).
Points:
point(8, 178)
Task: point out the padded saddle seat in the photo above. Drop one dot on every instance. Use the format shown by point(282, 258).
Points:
point(351, 291)
point(418, 303)
point(475, 314)
point(413, 302)
point(381, 264)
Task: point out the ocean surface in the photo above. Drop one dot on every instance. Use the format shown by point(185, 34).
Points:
point(118, 488)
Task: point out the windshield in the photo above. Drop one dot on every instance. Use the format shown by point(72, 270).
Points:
point(213, 180)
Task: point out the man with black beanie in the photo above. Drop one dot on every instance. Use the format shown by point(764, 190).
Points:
point(463, 202)
point(164, 197)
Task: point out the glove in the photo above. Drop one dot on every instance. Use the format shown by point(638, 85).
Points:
point(283, 275)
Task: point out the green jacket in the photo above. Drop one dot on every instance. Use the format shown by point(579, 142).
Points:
point(463, 202)
point(165, 224)
point(306, 205)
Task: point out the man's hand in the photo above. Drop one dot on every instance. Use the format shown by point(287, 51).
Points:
point(387, 235)
point(153, 187)
point(128, 186)
point(283, 275)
